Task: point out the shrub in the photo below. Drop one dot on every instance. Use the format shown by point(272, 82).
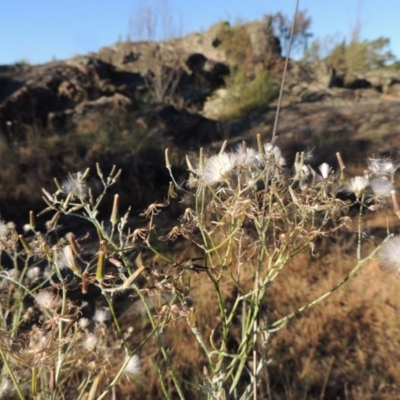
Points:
point(248, 215)
point(249, 85)
point(245, 95)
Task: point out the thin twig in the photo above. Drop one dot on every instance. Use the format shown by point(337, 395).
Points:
point(278, 107)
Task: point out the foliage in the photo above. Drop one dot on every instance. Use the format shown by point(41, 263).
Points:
point(281, 25)
point(247, 217)
point(352, 57)
point(357, 56)
point(248, 94)
point(235, 41)
point(249, 85)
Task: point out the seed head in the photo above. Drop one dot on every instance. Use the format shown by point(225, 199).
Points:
point(3, 229)
point(325, 170)
point(219, 168)
point(83, 323)
point(90, 342)
point(382, 166)
point(272, 150)
point(134, 366)
point(389, 254)
point(381, 187)
point(102, 315)
point(249, 157)
point(75, 185)
point(33, 273)
point(357, 185)
point(48, 300)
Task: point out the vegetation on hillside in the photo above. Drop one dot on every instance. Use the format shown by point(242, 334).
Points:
point(249, 273)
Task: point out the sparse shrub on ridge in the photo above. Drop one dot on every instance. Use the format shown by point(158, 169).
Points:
point(249, 85)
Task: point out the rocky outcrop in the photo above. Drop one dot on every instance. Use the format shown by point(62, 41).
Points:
point(125, 76)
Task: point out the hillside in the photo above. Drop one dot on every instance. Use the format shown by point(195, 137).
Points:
point(123, 106)
point(130, 99)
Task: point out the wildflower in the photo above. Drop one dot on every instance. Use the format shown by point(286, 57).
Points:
point(389, 254)
point(357, 185)
point(101, 315)
point(381, 187)
point(133, 367)
point(325, 170)
point(48, 300)
point(219, 168)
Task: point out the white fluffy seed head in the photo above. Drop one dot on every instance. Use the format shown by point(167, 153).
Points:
point(382, 166)
point(381, 187)
point(83, 323)
point(134, 366)
point(33, 273)
point(3, 229)
point(47, 299)
point(102, 315)
point(90, 342)
point(325, 170)
point(218, 168)
point(75, 185)
point(389, 253)
point(357, 185)
point(248, 157)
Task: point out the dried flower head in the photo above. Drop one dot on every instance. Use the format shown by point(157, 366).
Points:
point(83, 323)
point(33, 273)
point(382, 166)
point(325, 170)
point(102, 315)
point(48, 300)
point(3, 229)
point(272, 150)
point(90, 342)
point(218, 168)
point(357, 185)
point(389, 254)
point(249, 157)
point(381, 187)
point(309, 154)
point(134, 366)
point(67, 259)
point(75, 185)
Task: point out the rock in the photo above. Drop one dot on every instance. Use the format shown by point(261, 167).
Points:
point(215, 104)
point(169, 125)
point(393, 90)
point(354, 82)
point(103, 105)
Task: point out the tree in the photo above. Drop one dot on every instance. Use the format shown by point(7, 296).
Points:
point(282, 25)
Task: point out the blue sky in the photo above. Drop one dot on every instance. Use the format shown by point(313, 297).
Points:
point(40, 30)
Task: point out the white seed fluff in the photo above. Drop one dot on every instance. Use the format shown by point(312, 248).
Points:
point(389, 253)
point(101, 315)
point(219, 168)
point(134, 366)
